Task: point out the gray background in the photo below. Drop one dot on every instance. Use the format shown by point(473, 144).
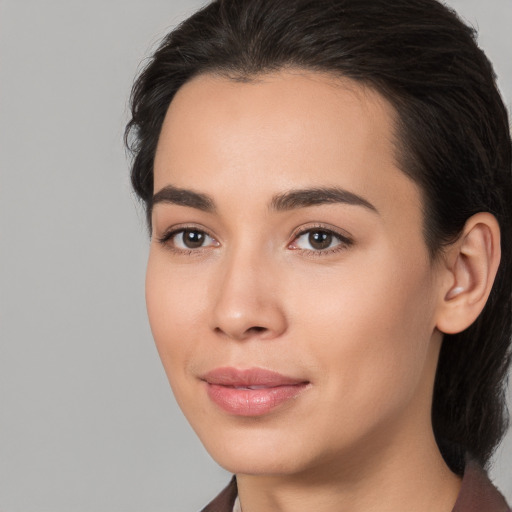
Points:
point(87, 420)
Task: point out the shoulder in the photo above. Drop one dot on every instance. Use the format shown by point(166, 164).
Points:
point(478, 494)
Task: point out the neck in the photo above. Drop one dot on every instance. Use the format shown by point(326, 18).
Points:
point(391, 475)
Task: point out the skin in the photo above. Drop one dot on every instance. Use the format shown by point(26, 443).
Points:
point(358, 320)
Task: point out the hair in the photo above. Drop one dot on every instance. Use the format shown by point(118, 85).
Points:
point(453, 141)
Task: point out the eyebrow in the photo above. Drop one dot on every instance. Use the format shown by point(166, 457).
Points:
point(303, 198)
point(291, 200)
point(184, 197)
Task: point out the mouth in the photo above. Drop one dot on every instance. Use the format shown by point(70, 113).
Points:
point(251, 392)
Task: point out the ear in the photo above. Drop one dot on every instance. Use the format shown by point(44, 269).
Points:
point(469, 270)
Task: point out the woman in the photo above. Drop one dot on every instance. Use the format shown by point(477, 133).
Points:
point(328, 187)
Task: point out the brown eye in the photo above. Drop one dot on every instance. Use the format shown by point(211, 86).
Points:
point(192, 239)
point(189, 238)
point(320, 239)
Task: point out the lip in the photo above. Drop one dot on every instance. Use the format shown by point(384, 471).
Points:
point(252, 391)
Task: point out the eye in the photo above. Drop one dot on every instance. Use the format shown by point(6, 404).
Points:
point(188, 238)
point(319, 239)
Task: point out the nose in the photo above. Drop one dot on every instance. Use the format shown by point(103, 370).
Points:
point(247, 302)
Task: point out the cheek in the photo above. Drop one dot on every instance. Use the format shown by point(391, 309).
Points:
point(369, 332)
point(175, 308)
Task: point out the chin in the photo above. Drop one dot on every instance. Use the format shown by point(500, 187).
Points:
point(259, 463)
point(256, 451)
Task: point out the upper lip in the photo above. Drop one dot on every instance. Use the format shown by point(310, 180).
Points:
point(260, 377)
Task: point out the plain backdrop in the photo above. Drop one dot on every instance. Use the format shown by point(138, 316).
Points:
point(87, 419)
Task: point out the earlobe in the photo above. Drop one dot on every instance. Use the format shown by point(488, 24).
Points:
point(472, 264)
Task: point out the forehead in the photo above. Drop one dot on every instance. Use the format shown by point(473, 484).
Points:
point(287, 107)
point(280, 131)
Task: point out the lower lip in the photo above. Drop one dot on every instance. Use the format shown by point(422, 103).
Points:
point(252, 402)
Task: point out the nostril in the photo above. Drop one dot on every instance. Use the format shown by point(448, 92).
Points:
point(256, 329)
point(242, 333)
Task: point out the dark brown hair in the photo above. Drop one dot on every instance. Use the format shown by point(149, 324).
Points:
point(454, 142)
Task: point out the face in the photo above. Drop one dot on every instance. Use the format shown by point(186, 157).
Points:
point(289, 288)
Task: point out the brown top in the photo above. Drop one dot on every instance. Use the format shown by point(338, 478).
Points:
point(477, 494)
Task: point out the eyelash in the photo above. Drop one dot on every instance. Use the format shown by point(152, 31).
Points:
point(344, 240)
point(169, 235)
